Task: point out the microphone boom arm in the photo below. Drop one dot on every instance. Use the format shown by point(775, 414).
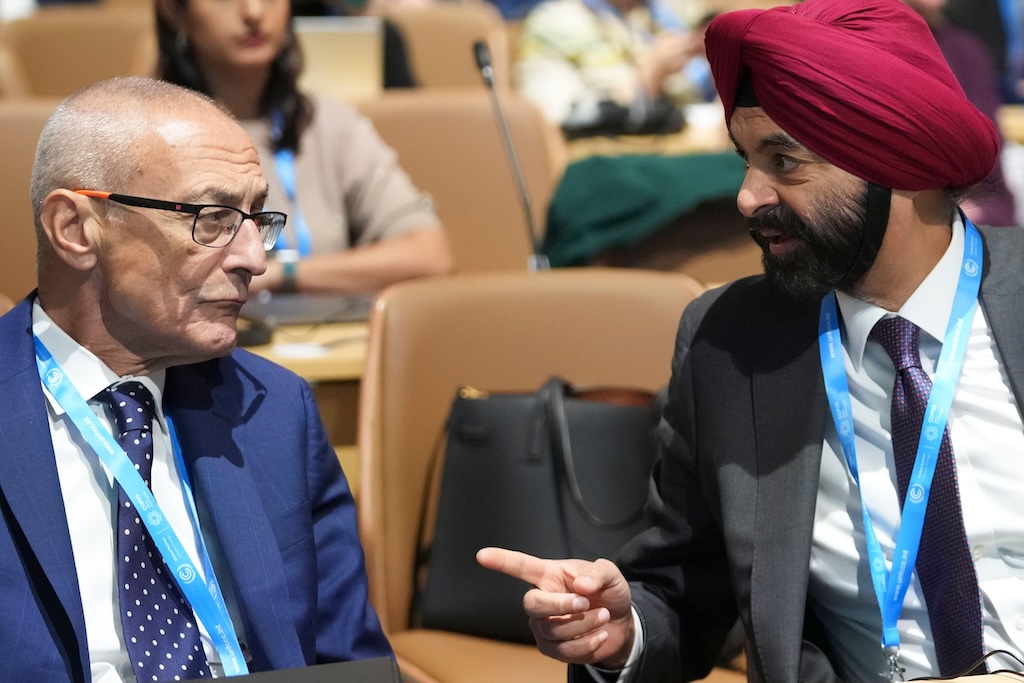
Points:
point(537, 260)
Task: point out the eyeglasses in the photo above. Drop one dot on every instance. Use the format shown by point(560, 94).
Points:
point(214, 225)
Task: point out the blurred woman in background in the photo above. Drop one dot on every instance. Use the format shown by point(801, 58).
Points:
point(356, 223)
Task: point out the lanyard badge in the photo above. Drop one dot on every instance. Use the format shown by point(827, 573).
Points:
point(891, 583)
point(204, 597)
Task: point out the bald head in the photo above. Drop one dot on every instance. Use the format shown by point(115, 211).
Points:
point(94, 139)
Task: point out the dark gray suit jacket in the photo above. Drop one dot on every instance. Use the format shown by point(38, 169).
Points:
point(736, 486)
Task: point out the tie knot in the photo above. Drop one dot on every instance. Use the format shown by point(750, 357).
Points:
point(131, 404)
point(899, 337)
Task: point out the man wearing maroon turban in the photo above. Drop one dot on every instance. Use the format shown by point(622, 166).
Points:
point(842, 446)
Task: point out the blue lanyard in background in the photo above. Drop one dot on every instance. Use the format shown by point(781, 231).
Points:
point(284, 164)
point(891, 584)
point(205, 598)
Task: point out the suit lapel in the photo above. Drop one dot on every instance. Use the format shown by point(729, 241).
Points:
point(789, 420)
point(206, 418)
point(1002, 298)
point(30, 494)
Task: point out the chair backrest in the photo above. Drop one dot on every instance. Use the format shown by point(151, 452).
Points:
point(63, 48)
point(13, 81)
point(439, 39)
point(504, 331)
point(21, 121)
point(449, 143)
point(513, 32)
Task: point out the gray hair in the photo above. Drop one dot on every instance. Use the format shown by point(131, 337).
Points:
point(94, 139)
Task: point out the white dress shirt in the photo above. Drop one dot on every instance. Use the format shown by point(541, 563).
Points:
point(988, 445)
point(90, 503)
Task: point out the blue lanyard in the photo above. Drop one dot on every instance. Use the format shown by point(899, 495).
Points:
point(891, 584)
point(205, 598)
point(284, 164)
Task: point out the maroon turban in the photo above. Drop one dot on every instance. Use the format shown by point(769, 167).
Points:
point(862, 84)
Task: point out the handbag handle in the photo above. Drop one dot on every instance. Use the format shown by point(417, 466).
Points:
point(552, 394)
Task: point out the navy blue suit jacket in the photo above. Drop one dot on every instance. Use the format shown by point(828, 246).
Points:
point(269, 490)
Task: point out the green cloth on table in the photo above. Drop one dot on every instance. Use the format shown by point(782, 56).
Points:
point(619, 201)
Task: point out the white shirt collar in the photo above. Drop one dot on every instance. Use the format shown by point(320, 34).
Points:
point(929, 307)
point(87, 373)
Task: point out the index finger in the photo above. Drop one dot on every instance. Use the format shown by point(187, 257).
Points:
point(513, 563)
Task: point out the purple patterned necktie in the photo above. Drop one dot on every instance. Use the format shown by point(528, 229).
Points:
point(160, 630)
point(944, 565)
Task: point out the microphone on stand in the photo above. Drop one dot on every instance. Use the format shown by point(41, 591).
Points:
point(537, 260)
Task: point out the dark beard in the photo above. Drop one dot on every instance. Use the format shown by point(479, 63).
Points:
point(829, 242)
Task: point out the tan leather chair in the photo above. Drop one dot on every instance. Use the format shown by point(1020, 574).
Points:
point(21, 121)
point(449, 143)
point(13, 81)
point(439, 39)
point(507, 331)
point(63, 48)
point(514, 32)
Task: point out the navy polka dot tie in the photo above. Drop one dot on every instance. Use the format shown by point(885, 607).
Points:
point(944, 565)
point(160, 630)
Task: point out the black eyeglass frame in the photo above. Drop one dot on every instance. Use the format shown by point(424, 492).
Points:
point(268, 233)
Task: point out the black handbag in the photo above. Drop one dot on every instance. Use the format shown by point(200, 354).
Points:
point(557, 473)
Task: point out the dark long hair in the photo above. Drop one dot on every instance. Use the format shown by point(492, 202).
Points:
point(178, 65)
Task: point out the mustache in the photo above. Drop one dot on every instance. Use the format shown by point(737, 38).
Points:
point(779, 219)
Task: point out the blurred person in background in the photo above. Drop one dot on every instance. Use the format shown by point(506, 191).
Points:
point(998, 24)
point(992, 203)
point(614, 66)
point(357, 223)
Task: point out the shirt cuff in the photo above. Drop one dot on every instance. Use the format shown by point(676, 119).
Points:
point(622, 675)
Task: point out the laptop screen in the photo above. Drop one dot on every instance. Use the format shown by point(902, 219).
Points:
point(376, 670)
point(344, 56)
point(273, 310)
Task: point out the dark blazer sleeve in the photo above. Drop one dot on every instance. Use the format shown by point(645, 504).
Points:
point(678, 570)
point(732, 495)
point(347, 626)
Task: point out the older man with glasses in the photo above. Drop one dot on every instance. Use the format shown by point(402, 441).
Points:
point(170, 508)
